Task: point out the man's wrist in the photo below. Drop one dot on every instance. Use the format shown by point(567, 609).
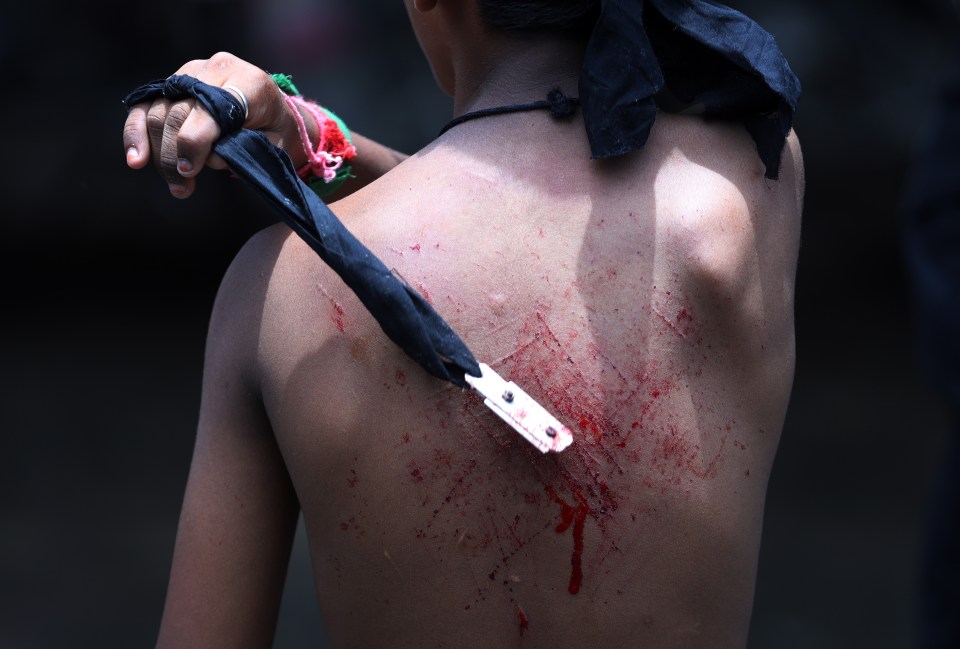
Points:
point(293, 142)
point(326, 145)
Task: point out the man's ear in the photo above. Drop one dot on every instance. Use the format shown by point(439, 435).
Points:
point(424, 5)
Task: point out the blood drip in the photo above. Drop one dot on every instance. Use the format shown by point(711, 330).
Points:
point(575, 516)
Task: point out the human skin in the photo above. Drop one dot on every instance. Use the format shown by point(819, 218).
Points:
point(647, 301)
point(178, 137)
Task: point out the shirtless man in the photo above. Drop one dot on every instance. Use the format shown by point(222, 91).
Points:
point(646, 300)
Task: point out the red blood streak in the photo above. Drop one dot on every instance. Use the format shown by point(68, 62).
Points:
point(576, 560)
point(423, 291)
point(575, 515)
point(338, 316)
point(524, 624)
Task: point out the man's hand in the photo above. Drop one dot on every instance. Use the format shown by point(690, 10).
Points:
point(179, 136)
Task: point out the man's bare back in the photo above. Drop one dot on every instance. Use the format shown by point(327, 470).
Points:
point(647, 302)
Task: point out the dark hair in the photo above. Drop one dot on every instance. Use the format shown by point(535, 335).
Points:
point(572, 16)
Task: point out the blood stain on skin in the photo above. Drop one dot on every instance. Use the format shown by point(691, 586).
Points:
point(415, 247)
point(575, 515)
point(423, 291)
point(669, 308)
point(577, 481)
point(352, 524)
point(675, 451)
point(524, 624)
point(338, 315)
point(629, 441)
point(415, 473)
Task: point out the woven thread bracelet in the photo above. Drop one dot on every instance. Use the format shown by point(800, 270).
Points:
point(327, 167)
point(285, 83)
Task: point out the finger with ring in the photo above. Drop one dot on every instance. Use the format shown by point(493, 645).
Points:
point(243, 99)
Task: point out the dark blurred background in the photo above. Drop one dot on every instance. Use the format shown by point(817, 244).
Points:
point(109, 281)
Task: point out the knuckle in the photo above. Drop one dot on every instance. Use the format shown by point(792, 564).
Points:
point(222, 59)
point(194, 64)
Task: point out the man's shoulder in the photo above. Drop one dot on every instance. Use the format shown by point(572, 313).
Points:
point(732, 236)
point(258, 287)
point(254, 265)
point(714, 202)
point(715, 159)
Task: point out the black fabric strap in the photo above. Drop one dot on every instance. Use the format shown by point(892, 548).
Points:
point(704, 56)
point(403, 314)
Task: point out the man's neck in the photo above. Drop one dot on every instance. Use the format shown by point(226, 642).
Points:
point(516, 70)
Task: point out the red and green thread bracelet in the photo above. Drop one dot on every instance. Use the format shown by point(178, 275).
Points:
point(328, 166)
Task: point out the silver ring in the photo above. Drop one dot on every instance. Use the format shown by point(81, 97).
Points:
point(243, 100)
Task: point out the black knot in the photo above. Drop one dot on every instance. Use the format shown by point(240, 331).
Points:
point(225, 109)
point(561, 106)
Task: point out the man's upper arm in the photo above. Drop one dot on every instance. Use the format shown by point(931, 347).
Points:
point(240, 509)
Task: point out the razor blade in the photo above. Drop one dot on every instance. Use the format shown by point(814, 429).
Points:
point(521, 411)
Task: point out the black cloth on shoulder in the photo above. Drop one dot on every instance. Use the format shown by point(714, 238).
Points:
point(693, 56)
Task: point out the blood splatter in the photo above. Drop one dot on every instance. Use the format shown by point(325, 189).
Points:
point(524, 624)
point(337, 316)
point(575, 516)
point(423, 291)
point(415, 473)
point(630, 438)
